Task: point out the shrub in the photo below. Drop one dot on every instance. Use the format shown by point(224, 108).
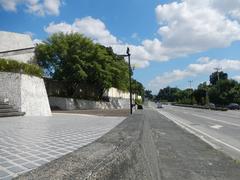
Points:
point(7, 65)
point(138, 101)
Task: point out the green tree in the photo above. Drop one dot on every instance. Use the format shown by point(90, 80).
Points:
point(220, 92)
point(185, 96)
point(75, 58)
point(214, 77)
point(200, 94)
point(224, 92)
point(168, 94)
point(137, 88)
point(148, 94)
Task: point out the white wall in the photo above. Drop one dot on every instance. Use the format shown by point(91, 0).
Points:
point(115, 93)
point(13, 41)
point(25, 93)
point(34, 96)
point(73, 104)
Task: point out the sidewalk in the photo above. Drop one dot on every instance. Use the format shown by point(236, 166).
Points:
point(145, 146)
point(29, 142)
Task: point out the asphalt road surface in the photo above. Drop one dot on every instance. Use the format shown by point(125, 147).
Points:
point(220, 129)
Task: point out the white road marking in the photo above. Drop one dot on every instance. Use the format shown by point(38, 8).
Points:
point(216, 126)
point(212, 119)
point(177, 121)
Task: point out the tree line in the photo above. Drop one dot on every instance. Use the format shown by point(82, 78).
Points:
point(77, 59)
point(221, 91)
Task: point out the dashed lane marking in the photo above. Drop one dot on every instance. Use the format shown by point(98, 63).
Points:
point(216, 126)
point(212, 119)
point(178, 121)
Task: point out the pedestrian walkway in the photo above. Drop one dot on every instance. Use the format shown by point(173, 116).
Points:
point(28, 142)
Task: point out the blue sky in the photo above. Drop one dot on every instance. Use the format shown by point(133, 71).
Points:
point(171, 42)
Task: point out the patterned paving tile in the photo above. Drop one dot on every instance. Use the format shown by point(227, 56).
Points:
point(3, 174)
point(28, 142)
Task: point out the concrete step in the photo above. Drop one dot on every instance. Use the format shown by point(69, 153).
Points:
point(8, 110)
point(3, 103)
point(10, 114)
point(5, 106)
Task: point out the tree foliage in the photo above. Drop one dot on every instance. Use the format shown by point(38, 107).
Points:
point(137, 88)
point(168, 94)
point(77, 59)
point(220, 92)
point(148, 94)
point(214, 77)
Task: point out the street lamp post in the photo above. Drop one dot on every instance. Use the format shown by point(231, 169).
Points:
point(130, 76)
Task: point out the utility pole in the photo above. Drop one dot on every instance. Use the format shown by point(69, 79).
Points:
point(190, 83)
point(218, 69)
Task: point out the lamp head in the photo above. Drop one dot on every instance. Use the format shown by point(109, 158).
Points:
point(128, 51)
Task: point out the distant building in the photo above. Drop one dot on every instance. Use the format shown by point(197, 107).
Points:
point(16, 46)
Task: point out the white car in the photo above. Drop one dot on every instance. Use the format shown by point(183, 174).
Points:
point(159, 105)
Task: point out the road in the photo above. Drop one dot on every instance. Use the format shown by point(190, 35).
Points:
point(219, 129)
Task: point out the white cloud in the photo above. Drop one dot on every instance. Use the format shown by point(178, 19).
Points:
point(193, 26)
point(228, 7)
point(52, 6)
point(205, 65)
point(9, 5)
point(90, 27)
point(37, 41)
point(185, 27)
point(60, 27)
point(96, 30)
point(38, 7)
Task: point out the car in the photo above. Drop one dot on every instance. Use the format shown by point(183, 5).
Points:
point(159, 105)
point(233, 106)
point(211, 106)
point(139, 106)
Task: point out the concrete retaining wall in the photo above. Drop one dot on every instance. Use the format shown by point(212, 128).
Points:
point(26, 93)
point(73, 104)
